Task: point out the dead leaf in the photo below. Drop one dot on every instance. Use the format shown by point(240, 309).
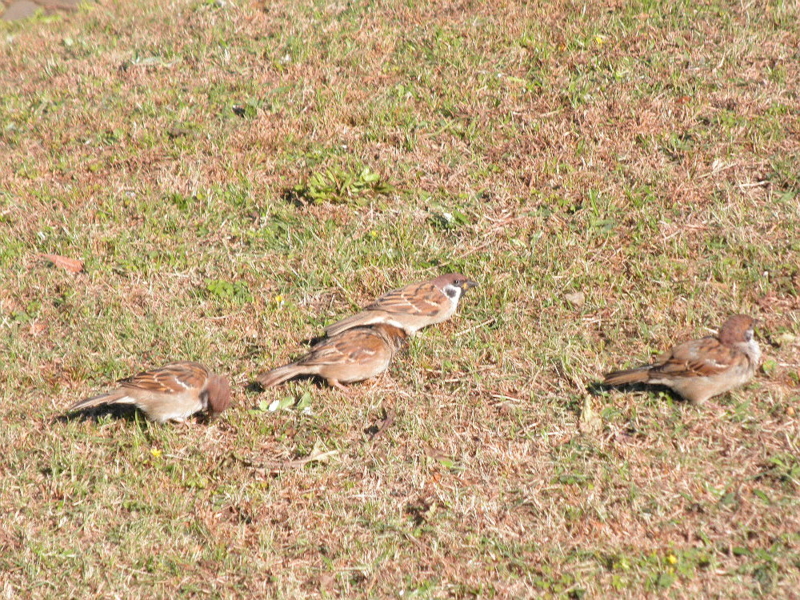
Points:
point(318, 453)
point(73, 265)
point(327, 583)
point(37, 327)
point(378, 429)
point(785, 338)
point(590, 422)
point(577, 299)
point(433, 453)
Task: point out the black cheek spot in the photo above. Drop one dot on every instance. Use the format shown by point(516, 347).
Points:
point(451, 292)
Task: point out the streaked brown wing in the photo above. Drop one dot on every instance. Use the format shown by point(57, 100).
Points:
point(170, 379)
point(350, 347)
point(423, 299)
point(698, 358)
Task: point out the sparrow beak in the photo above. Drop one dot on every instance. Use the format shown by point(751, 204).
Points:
point(468, 284)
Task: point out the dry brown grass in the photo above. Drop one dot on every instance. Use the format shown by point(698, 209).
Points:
point(644, 154)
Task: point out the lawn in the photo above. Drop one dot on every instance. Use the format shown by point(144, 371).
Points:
point(235, 175)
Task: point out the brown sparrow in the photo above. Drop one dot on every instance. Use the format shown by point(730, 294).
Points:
point(171, 393)
point(353, 355)
point(700, 369)
point(413, 307)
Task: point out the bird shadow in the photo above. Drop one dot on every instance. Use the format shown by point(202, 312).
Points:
point(95, 414)
point(314, 340)
point(254, 388)
point(598, 388)
point(127, 413)
point(316, 380)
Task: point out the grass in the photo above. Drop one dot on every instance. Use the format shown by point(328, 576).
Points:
point(236, 175)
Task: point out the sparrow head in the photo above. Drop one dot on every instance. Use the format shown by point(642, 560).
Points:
point(218, 394)
point(737, 330)
point(454, 285)
point(396, 337)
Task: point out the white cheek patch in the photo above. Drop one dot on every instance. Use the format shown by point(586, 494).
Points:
point(452, 292)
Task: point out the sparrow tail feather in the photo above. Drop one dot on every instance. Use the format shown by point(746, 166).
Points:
point(115, 397)
point(278, 376)
point(638, 375)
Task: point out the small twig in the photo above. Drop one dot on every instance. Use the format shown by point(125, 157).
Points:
point(503, 397)
point(789, 441)
point(467, 253)
point(753, 184)
point(549, 114)
point(714, 171)
point(466, 331)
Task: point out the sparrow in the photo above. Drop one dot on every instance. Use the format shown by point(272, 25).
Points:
point(353, 355)
point(413, 307)
point(700, 369)
point(170, 393)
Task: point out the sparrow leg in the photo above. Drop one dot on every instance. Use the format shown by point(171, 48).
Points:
point(335, 383)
